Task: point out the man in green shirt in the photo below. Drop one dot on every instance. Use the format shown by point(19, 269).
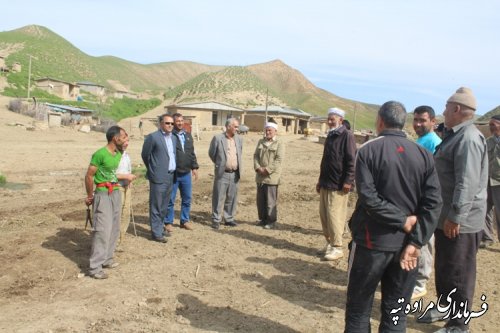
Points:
point(106, 201)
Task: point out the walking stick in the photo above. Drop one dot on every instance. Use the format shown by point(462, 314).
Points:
point(133, 219)
point(89, 219)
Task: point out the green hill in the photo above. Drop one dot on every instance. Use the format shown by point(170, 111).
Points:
point(488, 115)
point(180, 81)
point(57, 58)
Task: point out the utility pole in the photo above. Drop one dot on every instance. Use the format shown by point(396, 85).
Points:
point(29, 76)
point(265, 118)
point(354, 122)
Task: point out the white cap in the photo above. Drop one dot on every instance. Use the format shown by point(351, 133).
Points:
point(336, 111)
point(270, 124)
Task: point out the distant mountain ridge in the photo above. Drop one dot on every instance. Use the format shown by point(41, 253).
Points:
point(179, 81)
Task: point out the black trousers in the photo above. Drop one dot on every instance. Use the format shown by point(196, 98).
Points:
point(367, 269)
point(455, 267)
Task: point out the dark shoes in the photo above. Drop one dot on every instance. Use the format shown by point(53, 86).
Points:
point(159, 239)
point(216, 225)
point(431, 316)
point(99, 276)
point(261, 223)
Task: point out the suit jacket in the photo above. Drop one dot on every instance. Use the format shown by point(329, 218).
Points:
point(155, 157)
point(218, 154)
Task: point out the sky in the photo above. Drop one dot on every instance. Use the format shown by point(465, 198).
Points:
point(413, 51)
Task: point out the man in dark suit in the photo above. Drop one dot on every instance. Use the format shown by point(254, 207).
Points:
point(158, 154)
point(225, 151)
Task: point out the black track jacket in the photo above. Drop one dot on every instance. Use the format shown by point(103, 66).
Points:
point(395, 178)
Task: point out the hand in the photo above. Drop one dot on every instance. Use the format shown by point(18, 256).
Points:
point(409, 257)
point(194, 172)
point(346, 188)
point(89, 200)
point(451, 229)
point(131, 177)
point(410, 222)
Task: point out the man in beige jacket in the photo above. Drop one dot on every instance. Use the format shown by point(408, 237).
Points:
point(267, 161)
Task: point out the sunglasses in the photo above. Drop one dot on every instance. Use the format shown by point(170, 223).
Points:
point(168, 123)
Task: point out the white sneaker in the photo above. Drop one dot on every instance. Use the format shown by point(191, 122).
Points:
point(327, 248)
point(334, 254)
point(419, 293)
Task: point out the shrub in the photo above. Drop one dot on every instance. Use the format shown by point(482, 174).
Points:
point(104, 125)
point(3, 180)
point(16, 105)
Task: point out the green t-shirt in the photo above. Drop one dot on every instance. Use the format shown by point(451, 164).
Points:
point(106, 164)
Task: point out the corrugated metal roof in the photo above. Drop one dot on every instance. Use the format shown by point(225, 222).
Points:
point(87, 83)
point(279, 110)
point(65, 108)
point(207, 106)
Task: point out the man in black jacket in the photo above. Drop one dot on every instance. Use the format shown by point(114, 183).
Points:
point(187, 166)
point(335, 181)
point(396, 213)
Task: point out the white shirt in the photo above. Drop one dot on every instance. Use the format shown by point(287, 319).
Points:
point(124, 168)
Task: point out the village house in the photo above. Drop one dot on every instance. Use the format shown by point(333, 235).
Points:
point(92, 88)
point(291, 120)
point(62, 89)
point(207, 115)
point(72, 114)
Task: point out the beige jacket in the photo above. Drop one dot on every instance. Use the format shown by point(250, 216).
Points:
point(269, 156)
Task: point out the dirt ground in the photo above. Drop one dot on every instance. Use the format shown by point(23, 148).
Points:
point(243, 279)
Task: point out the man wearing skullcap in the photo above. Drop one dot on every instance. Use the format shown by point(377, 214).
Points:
point(267, 161)
point(462, 166)
point(493, 145)
point(335, 181)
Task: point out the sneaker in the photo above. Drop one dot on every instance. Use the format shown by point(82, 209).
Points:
point(99, 276)
point(112, 265)
point(187, 226)
point(169, 227)
point(327, 248)
point(270, 226)
point(452, 329)
point(430, 316)
point(215, 225)
point(261, 223)
point(231, 224)
point(334, 254)
point(418, 293)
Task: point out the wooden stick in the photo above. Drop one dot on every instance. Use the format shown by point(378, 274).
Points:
point(197, 270)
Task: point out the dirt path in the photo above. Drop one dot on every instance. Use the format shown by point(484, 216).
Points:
point(243, 279)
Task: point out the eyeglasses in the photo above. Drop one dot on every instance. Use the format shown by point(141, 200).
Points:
point(168, 123)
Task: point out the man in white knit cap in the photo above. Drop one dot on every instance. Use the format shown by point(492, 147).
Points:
point(267, 161)
point(335, 181)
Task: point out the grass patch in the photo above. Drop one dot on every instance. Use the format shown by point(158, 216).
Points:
point(3, 179)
